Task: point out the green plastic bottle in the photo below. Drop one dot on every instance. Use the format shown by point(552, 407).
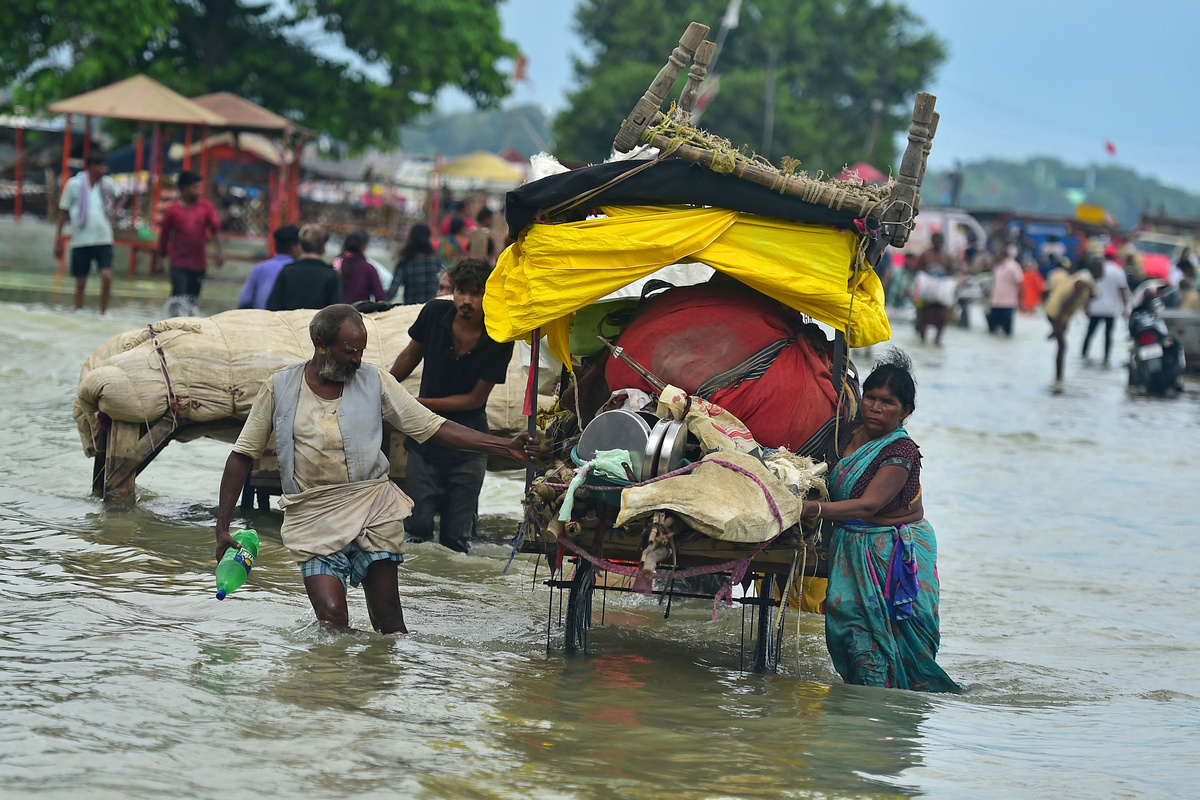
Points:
point(235, 564)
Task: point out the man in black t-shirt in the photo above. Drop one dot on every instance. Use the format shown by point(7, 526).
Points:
point(307, 282)
point(462, 364)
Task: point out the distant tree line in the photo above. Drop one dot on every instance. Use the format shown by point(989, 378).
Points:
point(1049, 186)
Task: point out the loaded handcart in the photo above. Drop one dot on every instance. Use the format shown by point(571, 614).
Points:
point(689, 310)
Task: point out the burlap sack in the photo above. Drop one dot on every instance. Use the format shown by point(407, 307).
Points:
point(215, 366)
point(718, 501)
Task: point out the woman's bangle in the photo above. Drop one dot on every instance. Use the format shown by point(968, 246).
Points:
point(818, 509)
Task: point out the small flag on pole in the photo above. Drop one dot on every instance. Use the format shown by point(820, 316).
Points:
point(521, 69)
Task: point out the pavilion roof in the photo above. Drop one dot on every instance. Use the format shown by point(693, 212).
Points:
point(243, 114)
point(140, 99)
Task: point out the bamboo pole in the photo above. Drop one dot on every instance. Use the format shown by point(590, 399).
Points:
point(820, 194)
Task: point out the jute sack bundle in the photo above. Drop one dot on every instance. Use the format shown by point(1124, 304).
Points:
point(718, 501)
point(215, 366)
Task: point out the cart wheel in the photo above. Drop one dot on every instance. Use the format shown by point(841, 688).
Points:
point(579, 607)
point(764, 640)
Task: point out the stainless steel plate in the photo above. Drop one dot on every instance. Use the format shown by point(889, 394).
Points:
point(615, 430)
point(664, 448)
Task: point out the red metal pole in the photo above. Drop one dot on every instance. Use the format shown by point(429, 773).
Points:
point(204, 161)
point(139, 162)
point(284, 183)
point(66, 174)
point(187, 148)
point(156, 165)
point(274, 179)
point(87, 137)
point(19, 173)
point(294, 207)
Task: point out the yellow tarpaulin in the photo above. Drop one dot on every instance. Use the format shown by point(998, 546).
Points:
point(554, 270)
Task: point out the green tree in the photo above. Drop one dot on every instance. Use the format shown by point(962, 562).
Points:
point(846, 74)
point(353, 69)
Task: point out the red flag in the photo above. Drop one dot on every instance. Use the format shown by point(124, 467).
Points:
point(1110, 148)
point(520, 67)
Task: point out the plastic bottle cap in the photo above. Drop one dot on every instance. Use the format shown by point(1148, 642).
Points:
point(220, 594)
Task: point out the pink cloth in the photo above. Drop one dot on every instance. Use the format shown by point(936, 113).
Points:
point(1006, 289)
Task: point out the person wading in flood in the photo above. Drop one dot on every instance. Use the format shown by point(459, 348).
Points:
point(881, 606)
point(87, 201)
point(343, 520)
point(187, 225)
point(462, 364)
point(1068, 293)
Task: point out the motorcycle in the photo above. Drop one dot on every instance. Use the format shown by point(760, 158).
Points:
point(1156, 361)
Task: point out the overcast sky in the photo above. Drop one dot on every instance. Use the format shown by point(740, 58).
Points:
point(1023, 78)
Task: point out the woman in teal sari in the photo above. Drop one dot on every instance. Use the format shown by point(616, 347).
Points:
point(881, 609)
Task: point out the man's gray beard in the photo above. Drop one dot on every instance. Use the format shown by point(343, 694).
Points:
point(332, 371)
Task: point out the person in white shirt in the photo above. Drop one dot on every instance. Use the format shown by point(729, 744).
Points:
point(89, 201)
point(1112, 301)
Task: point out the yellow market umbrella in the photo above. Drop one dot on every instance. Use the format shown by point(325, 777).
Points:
point(484, 167)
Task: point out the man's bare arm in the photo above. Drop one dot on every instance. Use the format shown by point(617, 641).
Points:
point(408, 359)
point(237, 469)
point(63, 216)
point(461, 437)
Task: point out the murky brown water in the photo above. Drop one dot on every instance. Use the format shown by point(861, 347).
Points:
point(1068, 554)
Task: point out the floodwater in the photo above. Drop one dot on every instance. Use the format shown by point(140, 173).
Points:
point(1068, 555)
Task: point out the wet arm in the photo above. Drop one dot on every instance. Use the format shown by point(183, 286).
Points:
point(882, 489)
point(63, 216)
point(460, 437)
point(476, 398)
point(164, 234)
point(237, 469)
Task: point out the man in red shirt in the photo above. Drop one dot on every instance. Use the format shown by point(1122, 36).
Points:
point(187, 225)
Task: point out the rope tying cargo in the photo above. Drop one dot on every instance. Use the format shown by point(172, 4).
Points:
point(173, 401)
